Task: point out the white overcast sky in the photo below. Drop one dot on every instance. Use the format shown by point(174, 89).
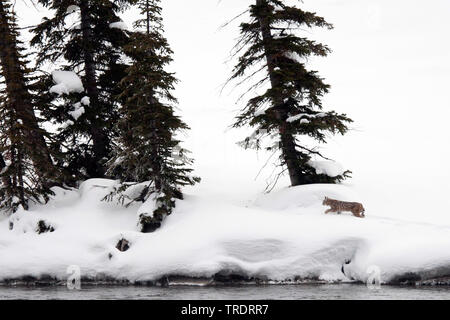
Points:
point(389, 71)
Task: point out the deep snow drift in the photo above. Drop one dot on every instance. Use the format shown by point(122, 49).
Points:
point(281, 236)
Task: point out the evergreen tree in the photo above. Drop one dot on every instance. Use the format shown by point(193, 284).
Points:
point(26, 167)
point(148, 160)
point(92, 47)
point(291, 107)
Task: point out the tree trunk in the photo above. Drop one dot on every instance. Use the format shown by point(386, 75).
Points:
point(147, 6)
point(18, 95)
point(20, 183)
point(99, 138)
point(156, 168)
point(2, 163)
point(6, 181)
point(287, 140)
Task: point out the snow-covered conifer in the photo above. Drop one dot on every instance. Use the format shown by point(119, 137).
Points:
point(151, 165)
point(26, 167)
point(79, 40)
point(291, 108)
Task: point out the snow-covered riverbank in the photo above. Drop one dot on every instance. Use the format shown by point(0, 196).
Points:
point(280, 236)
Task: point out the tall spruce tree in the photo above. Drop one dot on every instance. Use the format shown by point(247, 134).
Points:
point(84, 36)
point(26, 167)
point(148, 160)
point(291, 107)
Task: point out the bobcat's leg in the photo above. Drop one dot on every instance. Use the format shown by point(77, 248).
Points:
point(357, 214)
point(328, 211)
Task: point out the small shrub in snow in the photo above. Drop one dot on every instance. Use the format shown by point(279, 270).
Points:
point(123, 245)
point(44, 227)
point(24, 222)
point(148, 224)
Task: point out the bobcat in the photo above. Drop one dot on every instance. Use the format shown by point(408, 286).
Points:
point(339, 206)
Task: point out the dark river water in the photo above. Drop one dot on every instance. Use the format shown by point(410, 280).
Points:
point(270, 292)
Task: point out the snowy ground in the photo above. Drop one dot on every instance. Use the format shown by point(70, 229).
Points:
point(280, 236)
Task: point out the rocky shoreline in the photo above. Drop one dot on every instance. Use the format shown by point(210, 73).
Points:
point(216, 280)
